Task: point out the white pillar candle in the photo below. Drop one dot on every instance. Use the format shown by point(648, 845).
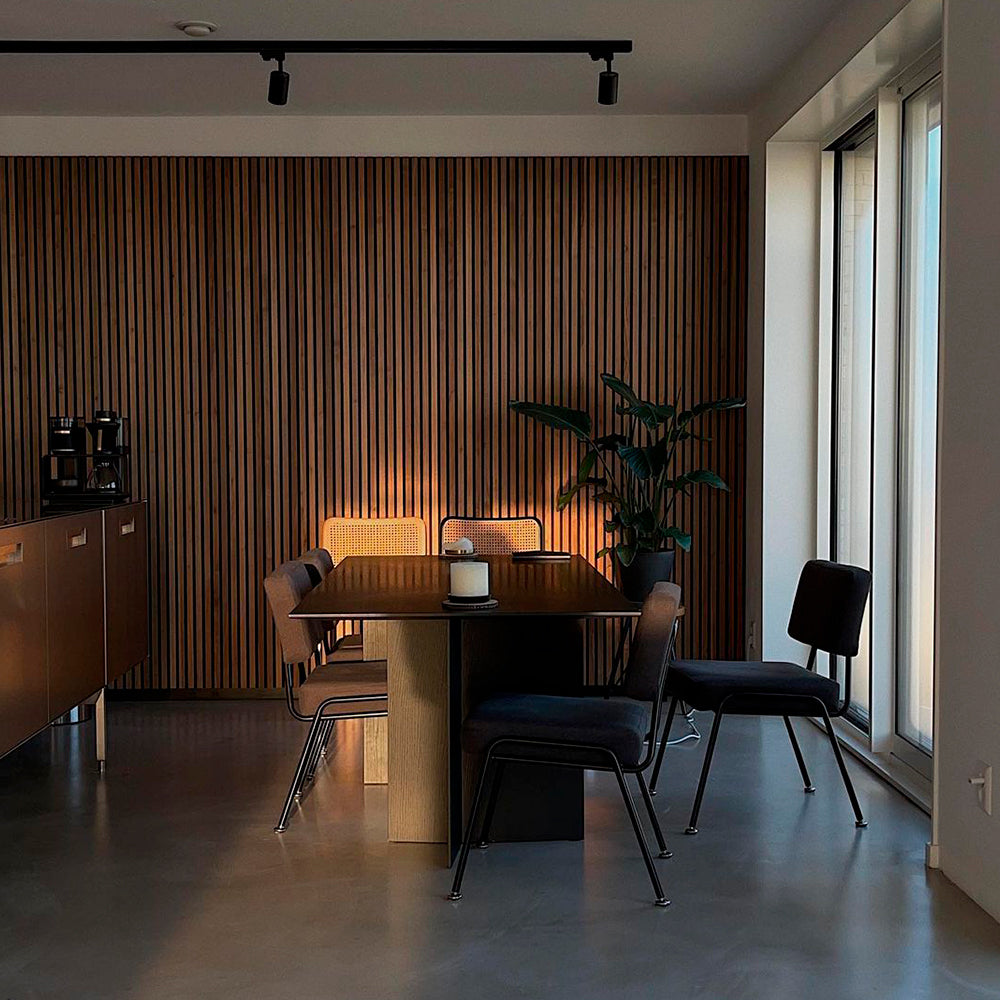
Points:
point(470, 579)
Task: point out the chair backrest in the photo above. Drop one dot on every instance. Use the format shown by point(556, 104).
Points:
point(651, 643)
point(829, 606)
point(493, 536)
point(374, 536)
point(285, 587)
point(318, 562)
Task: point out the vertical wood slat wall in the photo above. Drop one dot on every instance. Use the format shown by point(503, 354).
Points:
point(295, 338)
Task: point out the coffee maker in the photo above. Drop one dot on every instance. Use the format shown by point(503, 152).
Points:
point(106, 431)
point(68, 446)
point(75, 476)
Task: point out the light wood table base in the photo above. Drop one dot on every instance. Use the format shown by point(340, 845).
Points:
point(417, 654)
point(376, 770)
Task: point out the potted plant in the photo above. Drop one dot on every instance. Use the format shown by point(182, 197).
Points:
point(631, 471)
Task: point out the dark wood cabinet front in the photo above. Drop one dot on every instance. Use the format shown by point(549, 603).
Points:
point(23, 674)
point(75, 596)
point(126, 588)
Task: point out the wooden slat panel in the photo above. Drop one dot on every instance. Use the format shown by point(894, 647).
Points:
point(297, 338)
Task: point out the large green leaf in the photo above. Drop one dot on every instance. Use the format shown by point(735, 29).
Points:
point(645, 461)
point(727, 403)
point(702, 477)
point(621, 388)
point(625, 552)
point(652, 415)
point(610, 442)
point(680, 538)
point(586, 465)
point(562, 418)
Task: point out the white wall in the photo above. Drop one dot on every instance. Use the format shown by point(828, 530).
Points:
point(300, 135)
point(790, 374)
point(968, 533)
point(849, 31)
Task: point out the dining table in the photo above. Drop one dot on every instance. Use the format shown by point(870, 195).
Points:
point(441, 660)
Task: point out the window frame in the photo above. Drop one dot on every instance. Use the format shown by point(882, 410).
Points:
point(863, 129)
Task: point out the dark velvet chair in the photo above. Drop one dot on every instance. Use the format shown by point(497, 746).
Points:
point(826, 616)
point(594, 733)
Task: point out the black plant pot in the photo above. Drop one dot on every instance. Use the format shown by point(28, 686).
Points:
point(636, 580)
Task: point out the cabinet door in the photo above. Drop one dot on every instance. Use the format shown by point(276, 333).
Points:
point(126, 576)
point(23, 681)
point(74, 558)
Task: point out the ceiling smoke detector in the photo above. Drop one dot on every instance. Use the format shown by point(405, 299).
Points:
point(197, 29)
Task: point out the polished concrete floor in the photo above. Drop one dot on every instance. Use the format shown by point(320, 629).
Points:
point(163, 879)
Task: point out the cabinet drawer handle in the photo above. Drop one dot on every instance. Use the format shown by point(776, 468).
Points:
point(127, 527)
point(77, 540)
point(11, 553)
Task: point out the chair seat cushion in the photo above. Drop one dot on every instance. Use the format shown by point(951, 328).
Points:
point(616, 724)
point(703, 684)
point(339, 680)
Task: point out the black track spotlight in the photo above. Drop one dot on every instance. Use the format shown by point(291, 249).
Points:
point(607, 85)
point(277, 84)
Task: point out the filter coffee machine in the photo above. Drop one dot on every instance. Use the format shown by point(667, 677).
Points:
point(106, 430)
point(74, 476)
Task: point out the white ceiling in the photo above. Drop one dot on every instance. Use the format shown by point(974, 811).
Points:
point(691, 56)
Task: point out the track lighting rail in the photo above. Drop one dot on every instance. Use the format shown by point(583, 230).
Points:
point(600, 48)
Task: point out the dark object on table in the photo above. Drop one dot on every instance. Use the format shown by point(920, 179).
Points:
point(826, 615)
point(470, 603)
point(587, 733)
point(74, 478)
point(540, 555)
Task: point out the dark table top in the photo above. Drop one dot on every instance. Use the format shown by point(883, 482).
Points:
point(397, 587)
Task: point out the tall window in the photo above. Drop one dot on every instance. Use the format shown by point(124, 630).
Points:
point(921, 216)
point(850, 529)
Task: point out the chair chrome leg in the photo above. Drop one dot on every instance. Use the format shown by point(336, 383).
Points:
point(807, 785)
point(491, 805)
point(663, 745)
point(859, 819)
point(326, 739)
point(463, 854)
point(692, 827)
point(653, 821)
point(661, 899)
point(317, 750)
point(300, 771)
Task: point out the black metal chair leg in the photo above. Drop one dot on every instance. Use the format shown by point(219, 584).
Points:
point(491, 805)
point(807, 785)
point(663, 746)
point(705, 768)
point(661, 899)
point(300, 771)
point(653, 821)
point(859, 819)
point(463, 854)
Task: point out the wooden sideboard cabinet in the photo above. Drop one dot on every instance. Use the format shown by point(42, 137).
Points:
point(24, 694)
point(74, 614)
point(74, 589)
point(126, 588)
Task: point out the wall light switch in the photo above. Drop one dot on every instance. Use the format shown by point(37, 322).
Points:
point(982, 781)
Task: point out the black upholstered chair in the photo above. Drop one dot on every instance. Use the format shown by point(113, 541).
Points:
point(595, 733)
point(826, 615)
point(326, 693)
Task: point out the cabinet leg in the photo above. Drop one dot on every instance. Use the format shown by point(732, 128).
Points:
point(100, 731)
